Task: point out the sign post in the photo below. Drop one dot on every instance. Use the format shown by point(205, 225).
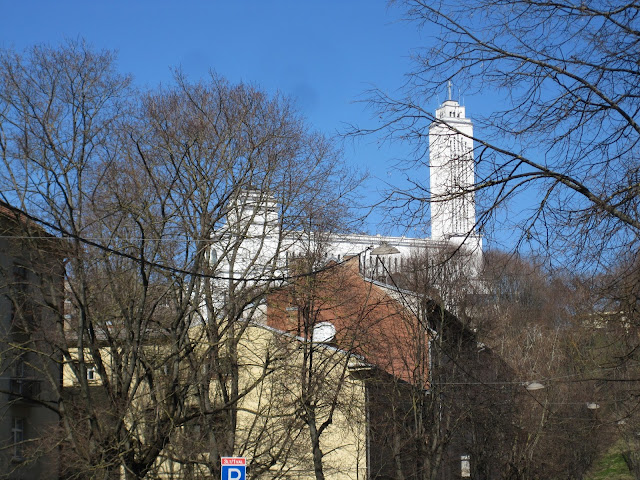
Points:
point(233, 468)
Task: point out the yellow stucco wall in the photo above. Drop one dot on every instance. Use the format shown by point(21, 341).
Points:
point(270, 420)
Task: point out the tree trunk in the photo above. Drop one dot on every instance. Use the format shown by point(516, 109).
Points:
point(315, 445)
point(632, 459)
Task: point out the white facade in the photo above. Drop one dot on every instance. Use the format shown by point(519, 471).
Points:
point(452, 174)
point(254, 215)
point(453, 212)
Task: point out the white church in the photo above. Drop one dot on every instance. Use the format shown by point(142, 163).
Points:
point(452, 207)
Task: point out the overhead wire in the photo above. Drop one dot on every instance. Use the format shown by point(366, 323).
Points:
point(93, 241)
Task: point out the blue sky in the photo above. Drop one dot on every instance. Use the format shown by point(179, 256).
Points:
point(324, 54)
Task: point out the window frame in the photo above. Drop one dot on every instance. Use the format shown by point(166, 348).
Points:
point(18, 436)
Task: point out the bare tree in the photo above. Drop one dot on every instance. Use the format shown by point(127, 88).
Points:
point(454, 413)
point(245, 177)
point(556, 163)
point(333, 315)
point(562, 77)
point(514, 326)
point(547, 329)
point(175, 205)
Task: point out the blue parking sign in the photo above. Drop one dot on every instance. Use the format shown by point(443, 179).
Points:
point(233, 468)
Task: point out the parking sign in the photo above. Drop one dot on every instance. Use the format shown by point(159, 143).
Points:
point(233, 468)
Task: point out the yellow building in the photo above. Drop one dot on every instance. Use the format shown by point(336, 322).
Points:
point(293, 395)
point(272, 431)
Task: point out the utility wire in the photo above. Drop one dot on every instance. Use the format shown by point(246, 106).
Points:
point(144, 262)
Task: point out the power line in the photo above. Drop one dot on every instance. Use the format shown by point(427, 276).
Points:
point(93, 241)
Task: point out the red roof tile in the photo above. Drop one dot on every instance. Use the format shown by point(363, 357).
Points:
point(368, 320)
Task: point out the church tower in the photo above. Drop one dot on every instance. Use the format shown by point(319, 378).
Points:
point(452, 175)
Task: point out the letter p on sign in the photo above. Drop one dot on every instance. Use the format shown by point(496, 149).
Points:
point(233, 468)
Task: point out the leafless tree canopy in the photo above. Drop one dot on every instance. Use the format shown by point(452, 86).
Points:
point(140, 185)
point(562, 136)
point(557, 163)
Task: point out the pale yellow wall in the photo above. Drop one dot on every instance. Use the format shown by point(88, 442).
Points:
point(266, 413)
point(69, 378)
point(343, 443)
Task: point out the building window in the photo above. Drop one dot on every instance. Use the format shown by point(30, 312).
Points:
point(91, 372)
point(19, 367)
point(18, 438)
point(21, 306)
point(465, 466)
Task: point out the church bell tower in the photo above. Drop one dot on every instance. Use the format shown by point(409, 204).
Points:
point(452, 175)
